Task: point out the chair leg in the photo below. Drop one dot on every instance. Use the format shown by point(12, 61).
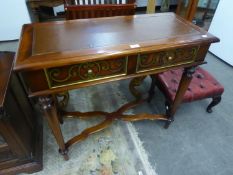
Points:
point(215, 101)
point(152, 89)
point(170, 119)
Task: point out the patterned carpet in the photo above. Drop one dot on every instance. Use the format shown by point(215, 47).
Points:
point(115, 151)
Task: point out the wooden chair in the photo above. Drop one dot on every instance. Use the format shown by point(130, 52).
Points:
point(82, 9)
point(188, 10)
point(185, 8)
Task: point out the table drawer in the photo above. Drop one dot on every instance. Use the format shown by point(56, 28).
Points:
point(167, 58)
point(86, 72)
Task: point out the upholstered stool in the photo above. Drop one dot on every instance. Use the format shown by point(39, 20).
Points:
point(203, 85)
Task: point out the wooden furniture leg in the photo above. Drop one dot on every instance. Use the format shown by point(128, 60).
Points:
point(215, 101)
point(183, 86)
point(48, 105)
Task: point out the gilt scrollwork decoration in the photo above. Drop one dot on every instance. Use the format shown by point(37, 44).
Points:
point(166, 58)
point(84, 72)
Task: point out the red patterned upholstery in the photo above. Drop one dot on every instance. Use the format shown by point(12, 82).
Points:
point(203, 85)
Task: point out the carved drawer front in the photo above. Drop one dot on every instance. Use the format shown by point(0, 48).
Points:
point(86, 72)
point(167, 58)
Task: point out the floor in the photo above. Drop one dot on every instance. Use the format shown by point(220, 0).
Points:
point(197, 143)
point(114, 151)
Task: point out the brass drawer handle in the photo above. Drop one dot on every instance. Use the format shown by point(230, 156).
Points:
point(170, 58)
point(89, 71)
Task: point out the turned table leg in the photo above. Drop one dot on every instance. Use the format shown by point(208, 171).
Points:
point(183, 86)
point(49, 108)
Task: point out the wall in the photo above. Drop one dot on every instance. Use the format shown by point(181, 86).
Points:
point(222, 27)
point(143, 3)
point(13, 15)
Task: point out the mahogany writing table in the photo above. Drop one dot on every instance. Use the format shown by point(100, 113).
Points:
point(59, 56)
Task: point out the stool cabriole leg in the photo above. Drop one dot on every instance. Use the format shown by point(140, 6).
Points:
point(215, 101)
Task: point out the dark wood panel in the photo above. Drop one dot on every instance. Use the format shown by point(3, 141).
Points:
point(2, 141)
point(5, 153)
point(18, 124)
point(31, 78)
point(6, 65)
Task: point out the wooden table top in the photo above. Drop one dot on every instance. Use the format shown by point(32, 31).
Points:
point(44, 45)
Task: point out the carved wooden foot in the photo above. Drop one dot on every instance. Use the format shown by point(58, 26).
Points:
point(48, 105)
point(64, 153)
point(183, 86)
point(215, 101)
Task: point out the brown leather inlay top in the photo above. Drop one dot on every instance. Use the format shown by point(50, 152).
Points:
point(98, 33)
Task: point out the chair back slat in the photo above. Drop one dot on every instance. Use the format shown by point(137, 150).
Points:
point(82, 9)
point(94, 2)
